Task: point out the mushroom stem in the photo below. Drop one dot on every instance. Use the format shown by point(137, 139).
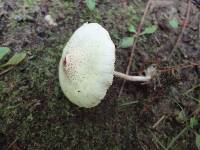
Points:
point(132, 78)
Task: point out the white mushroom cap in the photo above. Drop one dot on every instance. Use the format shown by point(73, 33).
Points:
point(87, 65)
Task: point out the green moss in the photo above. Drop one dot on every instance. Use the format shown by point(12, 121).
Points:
point(33, 108)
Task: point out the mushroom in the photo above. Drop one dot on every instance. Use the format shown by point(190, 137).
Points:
point(86, 68)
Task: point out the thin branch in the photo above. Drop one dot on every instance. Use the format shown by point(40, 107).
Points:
point(159, 121)
point(134, 44)
point(5, 71)
point(158, 141)
point(182, 30)
point(196, 111)
point(10, 146)
point(182, 66)
point(176, 138)
point(190, 90)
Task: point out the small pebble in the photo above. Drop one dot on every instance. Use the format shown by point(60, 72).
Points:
point(50, 20)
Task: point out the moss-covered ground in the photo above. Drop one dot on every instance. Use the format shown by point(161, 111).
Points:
point(35, 114)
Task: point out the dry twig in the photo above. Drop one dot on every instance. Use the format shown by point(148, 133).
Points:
point(10, 146)
point(181, 66)
point(158, 122)
point(134, 44)
point(182, 30)
point(7, 70)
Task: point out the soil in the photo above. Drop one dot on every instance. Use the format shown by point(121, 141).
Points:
point(35, 114)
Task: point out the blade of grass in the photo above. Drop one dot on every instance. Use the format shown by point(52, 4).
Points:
point(190, 90)
point(128, 103)
point(158, 141)
point(173, 141)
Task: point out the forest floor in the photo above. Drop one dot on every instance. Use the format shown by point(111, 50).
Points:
point(35, 114)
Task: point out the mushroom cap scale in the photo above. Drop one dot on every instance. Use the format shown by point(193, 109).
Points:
point(87, 65)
